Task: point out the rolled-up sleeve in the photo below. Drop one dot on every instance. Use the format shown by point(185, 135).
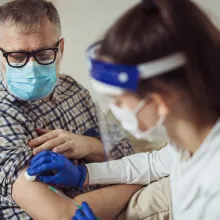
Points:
point(142, 168)
point(14, 153)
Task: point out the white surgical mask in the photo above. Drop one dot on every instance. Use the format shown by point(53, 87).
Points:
point(129, 122)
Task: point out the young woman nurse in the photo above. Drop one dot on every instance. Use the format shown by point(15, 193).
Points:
point(160, 64)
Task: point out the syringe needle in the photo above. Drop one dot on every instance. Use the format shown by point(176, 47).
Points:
point(64, 196)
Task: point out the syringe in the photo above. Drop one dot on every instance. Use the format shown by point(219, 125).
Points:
point(65, 197)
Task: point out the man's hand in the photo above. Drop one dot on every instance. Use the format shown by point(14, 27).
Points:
point(85, 214)
point(70, 145)
point(65, 172)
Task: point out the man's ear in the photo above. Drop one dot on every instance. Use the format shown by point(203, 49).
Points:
point(2, 68)
point(162, 105)
point(62, 42)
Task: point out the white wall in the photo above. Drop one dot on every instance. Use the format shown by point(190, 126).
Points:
point(84, 21)
point(212, 7)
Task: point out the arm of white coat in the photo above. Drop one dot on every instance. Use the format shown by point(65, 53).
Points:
point(142, 168)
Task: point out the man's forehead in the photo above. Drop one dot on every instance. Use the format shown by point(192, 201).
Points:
point(13, 38)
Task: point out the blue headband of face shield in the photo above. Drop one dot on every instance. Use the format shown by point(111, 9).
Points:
point(114, 79)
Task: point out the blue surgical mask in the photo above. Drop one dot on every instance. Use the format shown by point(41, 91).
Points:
point(31, 82)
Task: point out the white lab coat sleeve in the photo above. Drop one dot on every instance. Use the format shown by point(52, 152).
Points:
point(142, 168)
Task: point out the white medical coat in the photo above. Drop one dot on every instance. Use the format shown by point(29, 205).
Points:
point(195, 181)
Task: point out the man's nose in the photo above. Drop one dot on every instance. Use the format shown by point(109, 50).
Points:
point(31, 59)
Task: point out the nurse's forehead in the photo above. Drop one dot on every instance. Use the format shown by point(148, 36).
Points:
point(126, 97)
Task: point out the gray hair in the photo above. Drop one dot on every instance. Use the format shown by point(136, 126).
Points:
point(28, 14)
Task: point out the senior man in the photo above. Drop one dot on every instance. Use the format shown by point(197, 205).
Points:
point(34, 95)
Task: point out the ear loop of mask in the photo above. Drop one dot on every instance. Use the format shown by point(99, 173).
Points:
point(140, 105)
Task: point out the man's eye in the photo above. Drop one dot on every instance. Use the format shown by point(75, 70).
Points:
point(45, 55)
point(17, 56)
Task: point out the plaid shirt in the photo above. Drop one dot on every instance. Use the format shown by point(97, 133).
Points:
point(70, 108)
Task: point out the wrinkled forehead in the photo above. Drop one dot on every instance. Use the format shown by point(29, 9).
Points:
point(15, 38)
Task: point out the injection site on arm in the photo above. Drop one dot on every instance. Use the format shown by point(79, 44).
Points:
point(40, 202)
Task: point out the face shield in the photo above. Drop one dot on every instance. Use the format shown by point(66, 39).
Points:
point(111, 80)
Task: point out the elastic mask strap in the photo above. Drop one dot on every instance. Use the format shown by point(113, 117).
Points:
point(161, 121)
point(141, 104)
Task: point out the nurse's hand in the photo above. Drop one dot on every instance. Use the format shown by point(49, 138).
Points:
point(85, 214)
point(64, 172)
point(70, 145)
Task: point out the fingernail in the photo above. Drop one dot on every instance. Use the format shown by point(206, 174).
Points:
point(35, 152)
point(55, 150)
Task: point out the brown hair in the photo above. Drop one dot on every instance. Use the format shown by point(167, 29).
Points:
point(153, 29)
point(28, 14)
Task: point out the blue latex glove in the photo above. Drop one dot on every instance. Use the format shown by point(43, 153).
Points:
point(65, 172)
point(85, 213)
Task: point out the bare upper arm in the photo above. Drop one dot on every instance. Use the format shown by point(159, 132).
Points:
point(40, 202)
